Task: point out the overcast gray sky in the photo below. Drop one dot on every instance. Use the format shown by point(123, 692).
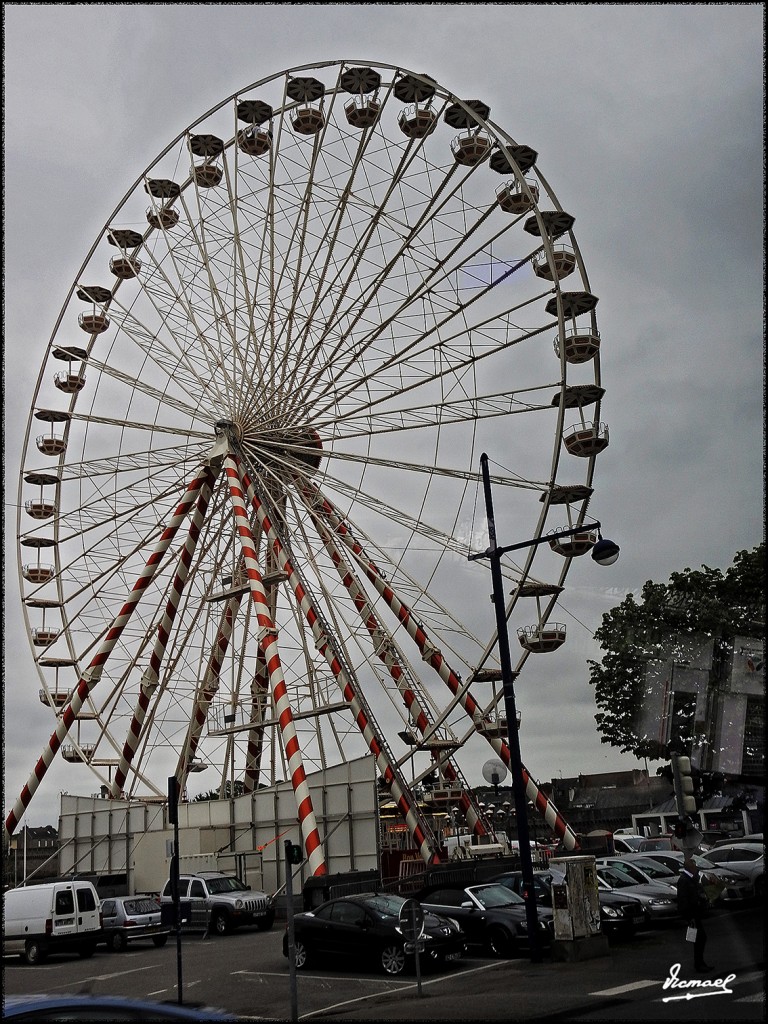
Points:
point(648, 122)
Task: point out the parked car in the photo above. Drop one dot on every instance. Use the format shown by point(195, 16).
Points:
point(619, 914)
point(745, 859)
point(53, 917)
point(753, 837)
point(659, 904)
point(132, 917)
point(60, 1007)
point(219, 902)
point(367, 928)
point(491, 916)
point(665, 842)
point(626, 843)
point(643, 869)
point(719, 884)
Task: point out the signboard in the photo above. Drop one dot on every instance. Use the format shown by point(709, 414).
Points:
point(411, 921)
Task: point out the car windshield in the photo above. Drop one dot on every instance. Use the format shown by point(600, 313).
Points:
point(495, 896)
point(385, 904)
point(636, 873)
point(633, 842)
point(615, 878)
point(654, 868)
point(229, 884)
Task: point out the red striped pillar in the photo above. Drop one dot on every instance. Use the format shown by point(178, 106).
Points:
point(268, 645)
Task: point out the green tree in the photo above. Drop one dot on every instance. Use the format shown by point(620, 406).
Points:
point(229, 790)
point(705, 601)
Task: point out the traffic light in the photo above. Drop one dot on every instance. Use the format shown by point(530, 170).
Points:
point(684, 784)
point(293, 853)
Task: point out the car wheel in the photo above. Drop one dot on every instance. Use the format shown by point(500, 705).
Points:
point(219, 922)
point(34, 952)
point(160, 940)
point(500, 942)
point(117, 942)
point(266, 923)
point(392, 959)
point(300, 955)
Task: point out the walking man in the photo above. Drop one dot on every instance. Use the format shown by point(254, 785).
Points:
point(691, 902)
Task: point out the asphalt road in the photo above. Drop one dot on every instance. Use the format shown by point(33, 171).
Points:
point(246, 974)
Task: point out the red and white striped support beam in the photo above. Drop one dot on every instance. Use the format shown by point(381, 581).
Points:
point(422, 834)
point(92, 674)
point(388, 654)
point(255, 746)
point(268, 644)
point(151, 677)
point(209, 688)
point(433, 656)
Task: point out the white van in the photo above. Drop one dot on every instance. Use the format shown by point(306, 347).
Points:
point(51, 917)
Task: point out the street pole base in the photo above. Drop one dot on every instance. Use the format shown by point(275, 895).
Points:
point(572, 950)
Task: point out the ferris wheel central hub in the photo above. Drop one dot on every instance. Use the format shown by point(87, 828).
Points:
point(228, 428)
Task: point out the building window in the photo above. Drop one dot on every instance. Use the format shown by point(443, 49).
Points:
point(753, 757)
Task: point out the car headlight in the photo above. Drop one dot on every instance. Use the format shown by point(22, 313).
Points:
point(610, 912)
point(238, 904)
point(454, 922)
point(661, 902)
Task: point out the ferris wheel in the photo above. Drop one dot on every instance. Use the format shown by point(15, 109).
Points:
point(251, 470)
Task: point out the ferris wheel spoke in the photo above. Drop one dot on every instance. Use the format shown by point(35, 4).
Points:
point(167, 348)
point(455, 411)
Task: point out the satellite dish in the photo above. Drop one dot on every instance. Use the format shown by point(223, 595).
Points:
point(494, 771)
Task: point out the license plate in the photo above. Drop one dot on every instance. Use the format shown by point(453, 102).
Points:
point(453, 956)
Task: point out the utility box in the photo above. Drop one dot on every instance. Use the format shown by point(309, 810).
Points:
point(576, 906)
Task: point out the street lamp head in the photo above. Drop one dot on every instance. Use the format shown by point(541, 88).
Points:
point(605, 552)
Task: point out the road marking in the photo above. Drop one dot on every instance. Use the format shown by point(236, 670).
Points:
point(633, 986)
point(403, 988)
point(316, 977)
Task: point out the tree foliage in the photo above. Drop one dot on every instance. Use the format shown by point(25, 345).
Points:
point(705, 602)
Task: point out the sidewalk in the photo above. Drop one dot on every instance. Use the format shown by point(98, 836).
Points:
point(633, 972)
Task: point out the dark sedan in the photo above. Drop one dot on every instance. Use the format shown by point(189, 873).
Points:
point(367, 928)
point(491, 916)
point(619, 915)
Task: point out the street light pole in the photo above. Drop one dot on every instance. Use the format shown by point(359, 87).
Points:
point(515, 761)
point(604, 552)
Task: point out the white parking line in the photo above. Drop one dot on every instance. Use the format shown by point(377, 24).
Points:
point(631, 987)
point(403, 988)
point(316, 977)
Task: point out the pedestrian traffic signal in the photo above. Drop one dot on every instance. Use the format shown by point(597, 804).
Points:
point(293, 853)
point(680, 829)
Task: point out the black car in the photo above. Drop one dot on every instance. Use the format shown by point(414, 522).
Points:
point(491, 916)
point(619, 915)
point(367, 928)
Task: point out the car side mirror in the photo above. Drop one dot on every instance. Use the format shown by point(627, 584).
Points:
point(467, 905)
